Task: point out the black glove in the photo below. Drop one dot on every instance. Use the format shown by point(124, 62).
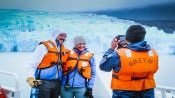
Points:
point(88, 93)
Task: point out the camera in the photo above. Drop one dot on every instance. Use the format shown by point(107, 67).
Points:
point(121, 38)
point(122, 41)
point(37, 83)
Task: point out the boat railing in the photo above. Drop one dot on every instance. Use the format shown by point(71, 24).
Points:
point(11, 92)
point(165, 91)
point(14, 92)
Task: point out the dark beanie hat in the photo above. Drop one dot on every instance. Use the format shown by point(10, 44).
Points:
point(135, 33)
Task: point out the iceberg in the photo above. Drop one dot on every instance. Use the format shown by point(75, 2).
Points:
point(22, 30)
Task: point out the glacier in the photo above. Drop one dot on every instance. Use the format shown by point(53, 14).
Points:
point(21, 30)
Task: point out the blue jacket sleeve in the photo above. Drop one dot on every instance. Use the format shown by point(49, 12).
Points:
point(110, 61)
point(93, 72)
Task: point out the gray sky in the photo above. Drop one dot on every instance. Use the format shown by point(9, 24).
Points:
point(76, 5)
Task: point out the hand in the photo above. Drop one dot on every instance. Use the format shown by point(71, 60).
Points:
point(32, 82)
point(88, 93)
point(114, 43)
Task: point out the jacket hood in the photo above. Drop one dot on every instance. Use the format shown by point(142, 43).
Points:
point(140, 46)
point(55, 33)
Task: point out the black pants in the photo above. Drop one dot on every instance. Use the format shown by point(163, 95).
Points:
point(48, 89)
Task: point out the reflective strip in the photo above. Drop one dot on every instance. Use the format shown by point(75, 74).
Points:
point(50, 45)
point(150, 53)
point(86, 54)
point(85, 64)
point(128, 53)
point(72, 52)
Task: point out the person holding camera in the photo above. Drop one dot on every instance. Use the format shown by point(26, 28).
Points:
point(45, 72)
point(79, 72)
point(133, 66)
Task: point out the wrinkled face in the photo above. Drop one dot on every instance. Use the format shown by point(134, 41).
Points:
point(61, 38)
point(80, 46)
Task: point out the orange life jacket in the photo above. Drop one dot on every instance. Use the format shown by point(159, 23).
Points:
point(53, 55)
point(82, 62)
point(137, 70)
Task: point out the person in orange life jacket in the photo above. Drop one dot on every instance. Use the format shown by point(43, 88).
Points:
point(79, 72)
point(45, 67)
point(133, 67)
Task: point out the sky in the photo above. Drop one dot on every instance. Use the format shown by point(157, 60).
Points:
point(77, 5)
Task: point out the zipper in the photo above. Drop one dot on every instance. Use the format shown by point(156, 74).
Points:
point(74, 77)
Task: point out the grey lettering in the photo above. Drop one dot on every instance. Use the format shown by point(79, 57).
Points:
point(130, 63)
point(140, 60)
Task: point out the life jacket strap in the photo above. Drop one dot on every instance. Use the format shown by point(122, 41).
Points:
point(128, 78)
point(67, 78)
point(82, 70)
point(84, 59)
point(71, 58)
